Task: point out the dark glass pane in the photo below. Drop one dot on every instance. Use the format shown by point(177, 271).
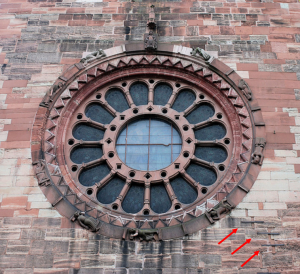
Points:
point(205, 176)
point(201, 113)
point(93, 175)
point(159, 198)
point(211, 132)
point(134, 199)
point(183, 100)
point(81, 155)
point(117, 100)
point(99, 114)
point(87, 133)
point(139, 94)
point(110, 192)
point(216, 154)
point(162, 94)
point(184, 192)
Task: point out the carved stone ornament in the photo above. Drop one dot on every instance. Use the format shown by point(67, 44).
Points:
point(201, 52)
point(88, 223)
point(40, 171)
point(60, 129)
point(150, 41)
point(257, 156)
point(50, 94)
point(92, 56)
point(143, 234)
point(151, 24)
point(245, 88)
point(223, 208)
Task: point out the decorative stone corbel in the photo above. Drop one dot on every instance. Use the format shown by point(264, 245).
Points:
point(257, 156)
point(143, 234)
point(243, 86)
point(201, 52)
point(150, 41)
point(50, 94)
point(88, 223)
point(40, 171)
point(92, 56)
point(214, 214)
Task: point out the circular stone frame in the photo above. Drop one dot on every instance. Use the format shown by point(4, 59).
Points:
point(234, 101)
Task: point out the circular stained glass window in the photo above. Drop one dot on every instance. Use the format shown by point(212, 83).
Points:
point(148, 147)
point(152, 141)
point(148, 144)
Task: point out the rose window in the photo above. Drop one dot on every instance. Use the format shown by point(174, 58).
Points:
point(165, 141)
point(149, 146)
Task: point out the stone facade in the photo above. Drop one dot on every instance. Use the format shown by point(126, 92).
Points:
point(260, 40)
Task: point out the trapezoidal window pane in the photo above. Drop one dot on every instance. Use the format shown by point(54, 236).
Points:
point(98, 113)
point(110, 192)
point(201, 113)
point(205, 176)
point(134, 199)
point(139, 94)
point(81, 155)
point(184, 192)
point(159, 198)
point(162, 94)
point(87, 133)
point(93, 175)
point(184, 99)
point(116, 99)
point(210, 133)
point(216, 154)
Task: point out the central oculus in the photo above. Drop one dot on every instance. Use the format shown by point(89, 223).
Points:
point(149, 144)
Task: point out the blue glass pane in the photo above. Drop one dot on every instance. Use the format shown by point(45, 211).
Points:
point(139, 94)
point(201, 113)
point(134, 199)
point(160, 132)
point(91, 176)
point(159, 156)
point(162, 94)
point(216, 154)
point(117, 100)
point(81, 155)
point(137, 157)
point(87, 133)
point(211, 132)
point(205, 176)
point(183, 100)
point(138, 132)
point(99, 114)
point(159, 198)
point(184, 192)
point(110, 192)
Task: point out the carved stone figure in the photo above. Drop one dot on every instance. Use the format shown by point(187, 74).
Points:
point(150, 41)
point(88, 223)
point(201, 52)
point(50, 94)
point(42, 177)
point(257, 156)
point(92, 56)
point(245, 88)
point(143, 234)
point(215, 213)
point(151, 21)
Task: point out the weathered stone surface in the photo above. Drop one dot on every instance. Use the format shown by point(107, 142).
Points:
point(55, 247)
point(116, 247)
point(129, 261)
point(50, 58)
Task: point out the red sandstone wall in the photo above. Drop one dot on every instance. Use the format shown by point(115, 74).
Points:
point(261, 40)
